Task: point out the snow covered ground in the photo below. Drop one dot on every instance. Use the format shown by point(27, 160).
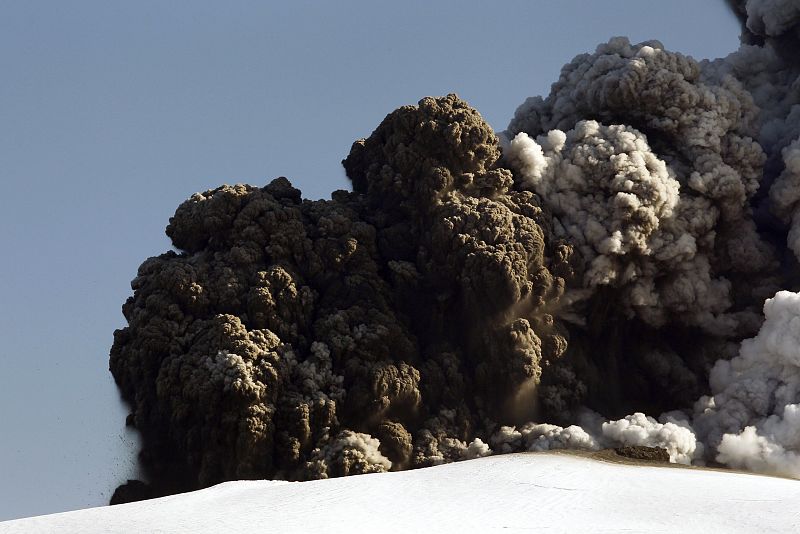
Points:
point(510, 493)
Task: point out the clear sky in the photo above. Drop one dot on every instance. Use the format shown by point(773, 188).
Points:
point(112, 113)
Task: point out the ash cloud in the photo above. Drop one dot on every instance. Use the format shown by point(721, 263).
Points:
point(606, 257)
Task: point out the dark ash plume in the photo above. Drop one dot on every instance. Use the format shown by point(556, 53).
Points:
point(466, 299)
point(391, 326)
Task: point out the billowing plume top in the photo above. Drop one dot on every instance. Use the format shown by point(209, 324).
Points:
point(679, 180)
point(769, 18)
point(420, 152)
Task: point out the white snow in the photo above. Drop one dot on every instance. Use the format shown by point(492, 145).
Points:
point(506, 493)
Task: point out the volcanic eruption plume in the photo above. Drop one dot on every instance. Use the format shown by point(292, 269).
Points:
point(608, 256)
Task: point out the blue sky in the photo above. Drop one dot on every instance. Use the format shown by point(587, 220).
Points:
point(112, 113)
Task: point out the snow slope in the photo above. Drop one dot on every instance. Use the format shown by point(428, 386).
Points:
point(510, 493)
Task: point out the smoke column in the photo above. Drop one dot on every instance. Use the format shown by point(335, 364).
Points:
point(628, 246)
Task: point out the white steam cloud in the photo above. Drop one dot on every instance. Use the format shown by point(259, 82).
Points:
point(753, 413)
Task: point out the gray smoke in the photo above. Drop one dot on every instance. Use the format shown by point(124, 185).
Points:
point(686, 201)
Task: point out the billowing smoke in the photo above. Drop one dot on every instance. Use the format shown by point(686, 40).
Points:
point(602, 259)
point(752, 415)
